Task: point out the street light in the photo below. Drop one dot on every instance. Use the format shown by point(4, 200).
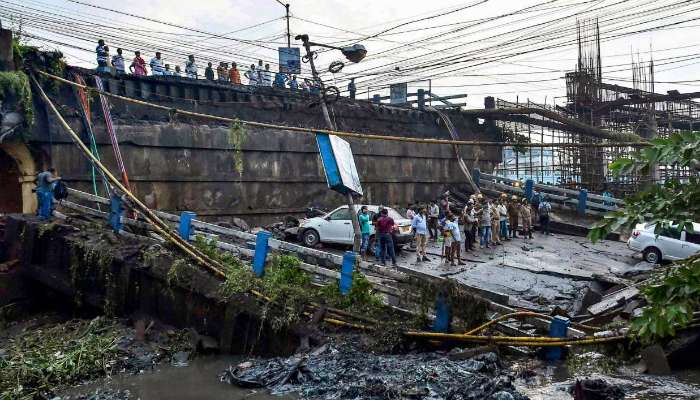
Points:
point(354, 53)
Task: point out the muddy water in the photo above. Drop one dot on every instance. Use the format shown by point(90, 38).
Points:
point(199, 380)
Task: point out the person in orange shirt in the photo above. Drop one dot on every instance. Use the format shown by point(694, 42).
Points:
point(234, 75)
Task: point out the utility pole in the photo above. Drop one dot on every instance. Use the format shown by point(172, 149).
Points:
point(289, 35)
point(331, 126)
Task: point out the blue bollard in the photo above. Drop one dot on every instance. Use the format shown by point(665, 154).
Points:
point(185, 228)
point(261, 249)
point(557, 329)
point(346, 272)
point(476, 177)
point(115, 213)
point(442, 314)
point(529, 189)
point(582, 198)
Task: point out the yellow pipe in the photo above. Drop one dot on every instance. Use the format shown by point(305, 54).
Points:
point(515, 339)
point(520, 314)
point(340, 133)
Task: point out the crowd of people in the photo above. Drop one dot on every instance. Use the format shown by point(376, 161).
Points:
point(259, 75)
point(483, 222)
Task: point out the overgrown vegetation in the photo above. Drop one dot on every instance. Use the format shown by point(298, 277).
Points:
point(236, 138)
point(673, 294)
point(288, 288)
point(63, 354)
point(15, 92)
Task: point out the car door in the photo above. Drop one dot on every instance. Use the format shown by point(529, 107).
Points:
point(690, 245)
point(670, 243)
point(338, 227)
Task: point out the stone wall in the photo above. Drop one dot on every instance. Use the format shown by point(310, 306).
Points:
point(177, 163)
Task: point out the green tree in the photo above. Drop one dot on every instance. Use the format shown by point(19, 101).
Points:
point(673, 294)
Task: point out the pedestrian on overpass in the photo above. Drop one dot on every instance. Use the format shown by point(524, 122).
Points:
point(544, 209)
point(385, 227)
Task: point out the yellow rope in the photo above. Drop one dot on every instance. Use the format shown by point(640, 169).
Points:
point(355, 135)
point(509, 339)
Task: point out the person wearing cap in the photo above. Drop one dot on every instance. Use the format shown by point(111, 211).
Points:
point(513, 214)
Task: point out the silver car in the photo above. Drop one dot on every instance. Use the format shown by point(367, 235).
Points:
point(336, 227)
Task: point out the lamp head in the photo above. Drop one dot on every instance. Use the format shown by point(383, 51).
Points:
point(354, 53)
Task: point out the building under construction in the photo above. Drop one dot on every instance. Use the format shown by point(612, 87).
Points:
point(637, 110)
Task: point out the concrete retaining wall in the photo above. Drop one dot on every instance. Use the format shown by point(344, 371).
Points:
point(183, 164)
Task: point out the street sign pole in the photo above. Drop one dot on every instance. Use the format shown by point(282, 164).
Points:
point(331, 126)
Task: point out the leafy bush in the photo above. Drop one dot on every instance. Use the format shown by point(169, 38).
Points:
point(674, 294)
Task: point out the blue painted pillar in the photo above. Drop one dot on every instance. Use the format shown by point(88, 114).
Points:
point(262, 247)
point(582, 198)
point(185, 228)
point(557, 329)
point(346, 272)
point(529, 189)
point(115, 212)
point(442, 314)
point(476, 177)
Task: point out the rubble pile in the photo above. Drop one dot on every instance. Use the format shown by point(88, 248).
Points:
point(341, 371)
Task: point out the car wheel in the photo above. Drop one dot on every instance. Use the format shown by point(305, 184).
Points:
point(311, 238)
point(652, 255)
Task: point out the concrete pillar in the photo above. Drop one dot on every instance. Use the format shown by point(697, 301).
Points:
point(203, 93)
point(146, 89)
point(7, 62)
point(162, 90)
point(131, 88)
point(421, 98)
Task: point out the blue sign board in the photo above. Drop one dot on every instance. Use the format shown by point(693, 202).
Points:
point(290, 60)
point(339, 164)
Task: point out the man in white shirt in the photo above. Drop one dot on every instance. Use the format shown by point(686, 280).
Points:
point(156, 64)
point(266, 76)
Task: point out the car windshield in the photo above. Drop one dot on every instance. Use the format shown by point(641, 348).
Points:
point(395, 215)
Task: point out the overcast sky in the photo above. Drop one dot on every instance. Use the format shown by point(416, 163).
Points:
point(485, 51)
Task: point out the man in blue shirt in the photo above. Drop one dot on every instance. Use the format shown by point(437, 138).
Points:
point(44, 192)
point(420, 229)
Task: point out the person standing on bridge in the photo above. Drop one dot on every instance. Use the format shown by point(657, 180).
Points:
point(102, 52)
point(234, 75)
point(266, 77)
point(156, 65)
point(385, 227)
point(191, 67)
point(352, 88)
point(118, 62)
point(44, 192)
point(252, 76)
point(138, 65)
point(544, 209)
point(209, 72)
point(293, 84)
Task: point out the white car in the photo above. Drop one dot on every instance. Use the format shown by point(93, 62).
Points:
point(336, 227)
point(670, 244)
